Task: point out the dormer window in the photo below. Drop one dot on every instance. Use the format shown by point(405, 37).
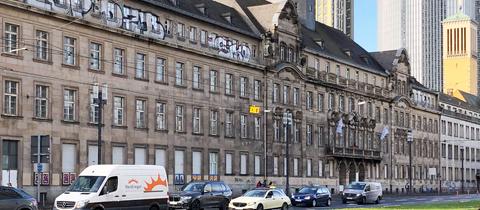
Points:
point(320, 43)
point(348, 52)
point(201, 8)
point(366, 60)
point(228, 17)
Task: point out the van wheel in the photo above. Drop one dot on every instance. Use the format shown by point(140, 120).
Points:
point(195, 205)
point(378, 200)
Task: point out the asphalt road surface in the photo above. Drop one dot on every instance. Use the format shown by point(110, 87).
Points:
point(397, 201)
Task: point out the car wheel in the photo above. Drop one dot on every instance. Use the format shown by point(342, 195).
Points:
point(314, 203)
point(329, 202)
point(154, 208)
point(377, 201)
point(363, 201)
point(260, 207)
point(195, 205)
point(284, 206)
point(224, 205)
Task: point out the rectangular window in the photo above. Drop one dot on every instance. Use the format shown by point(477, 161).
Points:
point(11, 38)
point(243, 164)
point(93, 108)
point(140, 109)
point(320, 103)
point(213, 81)
point(243, 126)
point(180, 30)
point(309, 135)
point(118, 110)
point(92, 155)
point(320, 168)
point(286, 89)
point(69, 104)
point(275, 165)
point(243, 86)
point(69, 52)
point(275, 92)
point(196, 120)
point(309, 167)
point(179, 118)
point(257, 89)
point(197, 77)
point(160, 116)
point(228, 163)
point(276, 129)
point(257, 165)
point(41, 101)
point(320, 136)
point(118, 155)
point(228, 84)
point(229, 124)
point(192, 34)
point(41, 46)
point(119, 61)
point(258, 124)
point(331, 101)
point(160, 157)
point(309, 100)
point(296, 93)
point(140, 69)
point(197, 163)
point(160, 70)
point(341, 103)
point(203, 37)
point(213, 163)
point(179, 73)
point(68, 158)
point(179, 163)
point(44, 149)
point(295, 166)
point(213, 122)
point(95, 55)
point(296, 132)
point(140, 156)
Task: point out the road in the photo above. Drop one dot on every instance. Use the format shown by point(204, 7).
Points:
point(396, 201)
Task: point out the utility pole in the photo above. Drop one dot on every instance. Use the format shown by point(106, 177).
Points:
point(39, 168)
point(287, 121)
point(462, 150)
point(100, 101)
point(410, 141)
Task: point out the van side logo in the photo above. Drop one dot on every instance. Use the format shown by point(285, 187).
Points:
point(154, 183)
point(132, 181)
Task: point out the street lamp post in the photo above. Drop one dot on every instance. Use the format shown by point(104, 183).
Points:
point(410, 141)
point(100, 100)
point(287, 121)
point(463, 170)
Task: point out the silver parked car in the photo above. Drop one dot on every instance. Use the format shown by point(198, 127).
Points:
point(16, 199)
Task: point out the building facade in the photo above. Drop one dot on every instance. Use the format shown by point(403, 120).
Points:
point(460, 132)
point(460, 54)
point(416, 26)
point(338, 14)
point(181, 78)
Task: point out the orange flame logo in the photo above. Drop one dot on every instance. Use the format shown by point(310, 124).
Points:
point(154, 183)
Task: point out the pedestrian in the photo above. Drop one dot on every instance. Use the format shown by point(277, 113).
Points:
point(270, 184)
point(264, 183)
point(259, 184)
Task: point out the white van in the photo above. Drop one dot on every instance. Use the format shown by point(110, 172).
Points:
point(102, 187)
point(363, 192)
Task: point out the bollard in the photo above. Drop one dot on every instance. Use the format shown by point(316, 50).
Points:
point(457, 192)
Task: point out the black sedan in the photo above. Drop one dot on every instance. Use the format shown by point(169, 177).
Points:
point(312, 196)
point(12, 199)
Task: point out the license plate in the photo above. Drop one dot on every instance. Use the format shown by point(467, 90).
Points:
point(173, 203)
point(298, 200)
point(349, 198)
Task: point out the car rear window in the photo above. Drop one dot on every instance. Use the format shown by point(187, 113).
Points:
point(217, 187)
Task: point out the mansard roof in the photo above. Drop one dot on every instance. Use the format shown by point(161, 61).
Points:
point(336, 44)
point(215, 12)
point(471, 102)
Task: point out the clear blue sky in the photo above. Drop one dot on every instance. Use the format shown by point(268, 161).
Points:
point(365, 24)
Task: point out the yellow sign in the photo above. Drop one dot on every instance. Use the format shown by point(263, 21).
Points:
point(254, 109)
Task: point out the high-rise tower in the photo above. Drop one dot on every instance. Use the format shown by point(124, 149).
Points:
point(336, 13)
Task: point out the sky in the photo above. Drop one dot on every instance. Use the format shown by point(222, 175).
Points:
point(365, 24)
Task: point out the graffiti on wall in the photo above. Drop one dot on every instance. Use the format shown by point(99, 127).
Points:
point(229, 48)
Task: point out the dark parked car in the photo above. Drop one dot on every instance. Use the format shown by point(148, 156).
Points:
point(201, 194)
point(312, 196)
point(16, 199)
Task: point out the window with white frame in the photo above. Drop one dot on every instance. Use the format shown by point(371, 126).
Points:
point(119, 61)
point(41, 45)
point(69, 52)
point(160, 70)
point(118, 110)
point(69, 160)
point(69, 104)
point(309, 167)
point(257, 128)
point(11, 38)
point(257, 160)
point(296, 96)
point(243, 126)
point(228, 84)
point(229, 124)
point(192, 34)
point(309, 135)
point(276, 129)
point(197, 120)
point(243, 164)
point(197, 163)
point(331, 101)
point(93, 109)
point(213, 163)
point(179, 73)
point(203, 37)
point(275, 93)
point(179, 163)
point(140, 68)
point(181, 30)
point(341, 103)
point(286, 91)
point(213, 122)
point(320, 137)
point(140, 156)
point(41, 101)
point(118, 155)
point(309, 100)
point(257, 90)
point(160, 116)
point(179, 118)
point(295, 166)
point(243, 86)
point(197, 77)
point(92, 155)
point(161, 157)
point(320, 103)
point(213, 81)
point(140, 109)
point(95, 55)
point(275, 165)
point(228, 163)
point(296, 132)
point(320, 168)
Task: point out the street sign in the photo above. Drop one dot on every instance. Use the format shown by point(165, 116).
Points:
point(254, 109)
point(40, 167)
point(409, 136)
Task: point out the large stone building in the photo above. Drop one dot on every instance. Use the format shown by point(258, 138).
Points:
point(181, 78)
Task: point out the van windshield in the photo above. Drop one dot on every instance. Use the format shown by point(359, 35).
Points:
point(194, 187)
point(86, 184)
point(356, 186)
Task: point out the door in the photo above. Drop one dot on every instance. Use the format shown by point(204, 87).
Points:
point(207, 199)
point(277, 199)
point(110, 194)
point(321, 196)
point(269, 201)
point(368, 193)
